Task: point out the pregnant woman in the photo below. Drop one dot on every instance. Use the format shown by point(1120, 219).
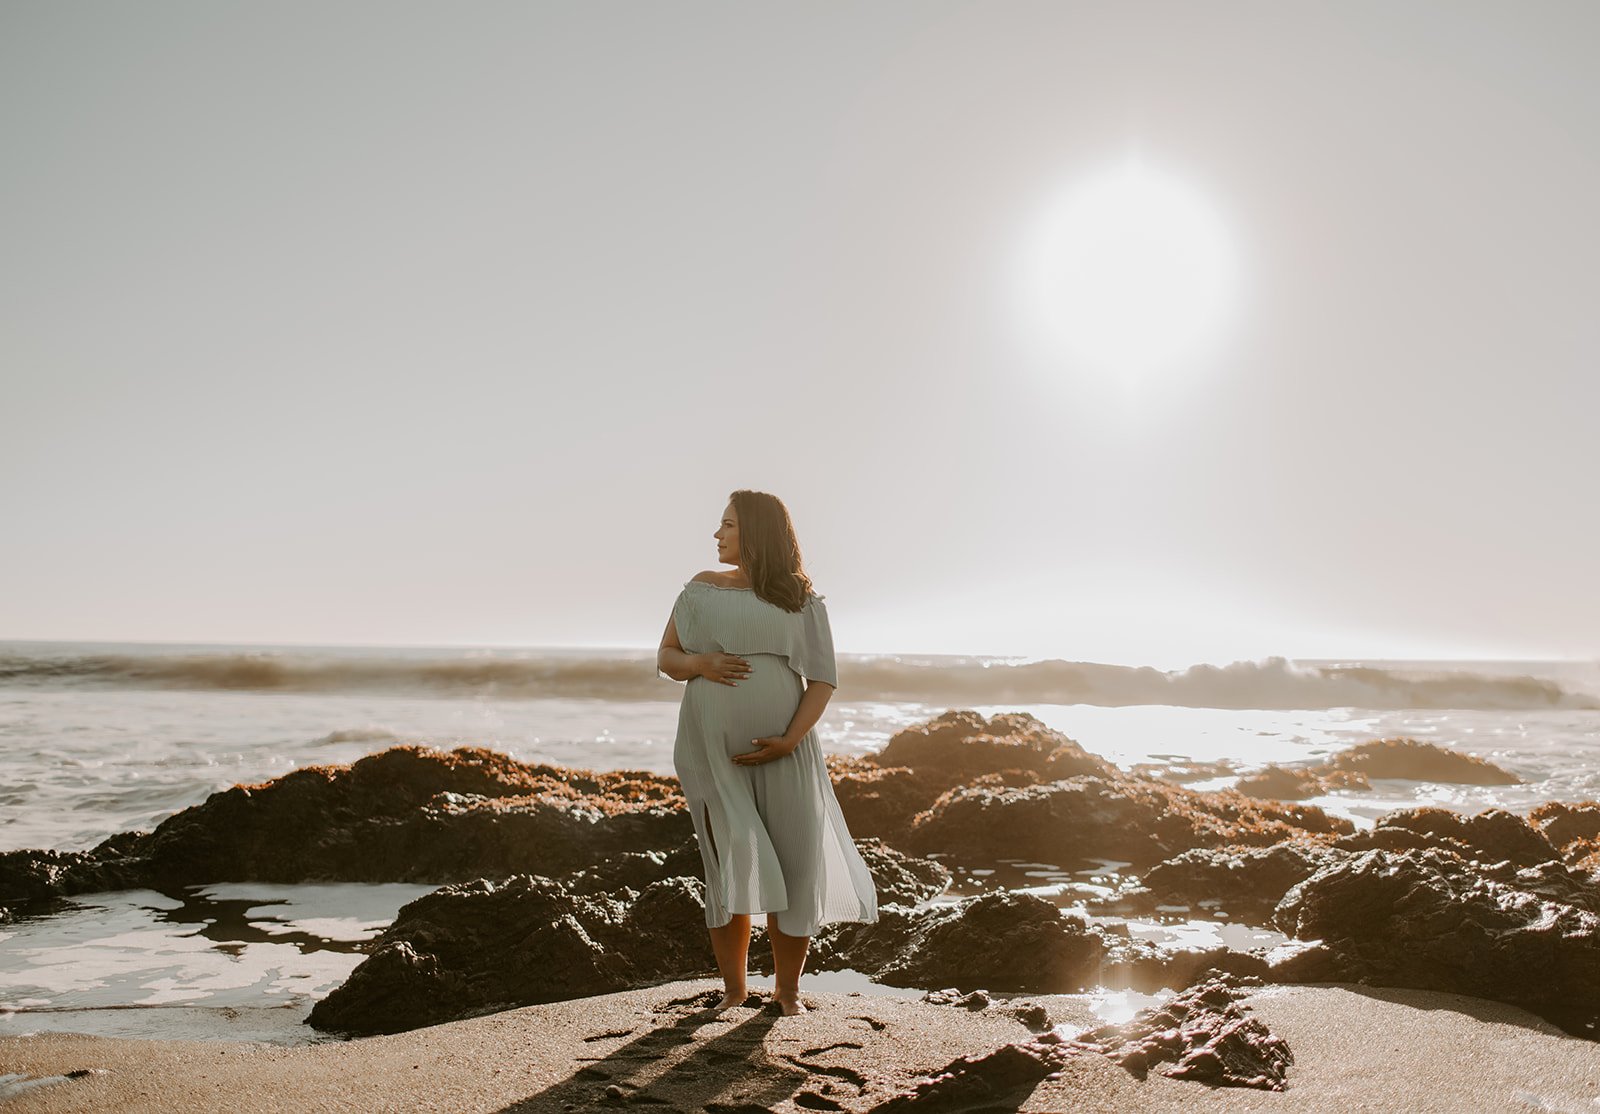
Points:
point(756, 650)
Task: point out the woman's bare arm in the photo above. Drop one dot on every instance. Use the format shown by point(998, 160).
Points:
point(813, 702)
point(677, 663)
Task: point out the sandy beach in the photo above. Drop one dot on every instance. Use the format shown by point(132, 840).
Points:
point(1355, 1048)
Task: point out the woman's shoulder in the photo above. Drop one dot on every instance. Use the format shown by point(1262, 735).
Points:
point(713, 578)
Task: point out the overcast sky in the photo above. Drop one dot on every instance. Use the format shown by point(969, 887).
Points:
point(438, 324)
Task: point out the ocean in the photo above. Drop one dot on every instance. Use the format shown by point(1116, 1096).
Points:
point(99, 738)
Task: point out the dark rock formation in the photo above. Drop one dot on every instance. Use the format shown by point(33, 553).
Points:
point(414, 814)
point(1009, 786)
point(999, 941)
point(1391, 758)
point(1574, 829)
point(880, 794)
point(1009, 941)
point(1141, 822)
point(1489, 837)
point(488, 945)
point(1246, 881)
point(1296, 783)
point(483, 946)
point(407, 814)
point(902, 879)
point(1204, 1035)
point(1418, 761)
point(973, 1000)
point(1432, 920)
point(961, 745)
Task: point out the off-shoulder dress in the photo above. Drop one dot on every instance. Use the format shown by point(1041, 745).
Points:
point(772, 836)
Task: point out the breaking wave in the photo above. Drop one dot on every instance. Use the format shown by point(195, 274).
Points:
point(1273, 683)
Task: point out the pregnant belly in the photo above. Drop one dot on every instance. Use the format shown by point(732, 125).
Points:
point(759, 706)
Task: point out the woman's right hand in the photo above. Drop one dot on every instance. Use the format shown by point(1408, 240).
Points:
point(726, 669)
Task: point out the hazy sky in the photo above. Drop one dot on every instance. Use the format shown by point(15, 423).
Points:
point(434, 324)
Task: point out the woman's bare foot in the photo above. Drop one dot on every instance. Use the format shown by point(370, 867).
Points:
point(731, 999)
point(790, 1005)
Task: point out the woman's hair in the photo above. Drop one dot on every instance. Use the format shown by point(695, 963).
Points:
point(769, 551)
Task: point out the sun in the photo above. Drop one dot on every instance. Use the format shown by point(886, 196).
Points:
point(1126, 272)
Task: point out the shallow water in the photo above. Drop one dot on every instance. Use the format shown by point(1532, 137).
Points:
point(232, 961)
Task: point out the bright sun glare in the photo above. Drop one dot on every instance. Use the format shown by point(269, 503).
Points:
point(1127, 272)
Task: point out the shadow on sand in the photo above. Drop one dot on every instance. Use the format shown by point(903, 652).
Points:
point(667, 1067)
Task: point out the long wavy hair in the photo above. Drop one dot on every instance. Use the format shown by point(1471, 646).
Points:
point(769, 551)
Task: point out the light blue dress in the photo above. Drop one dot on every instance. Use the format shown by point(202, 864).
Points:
point(772, 837)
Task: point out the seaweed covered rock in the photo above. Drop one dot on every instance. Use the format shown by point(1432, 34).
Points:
point(406, 814)
point(960, 745)
point(881, 794)
point(1296, 783)
point(1141, 822)
point(413, 814)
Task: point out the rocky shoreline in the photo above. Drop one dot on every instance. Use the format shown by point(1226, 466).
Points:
point(557, 884)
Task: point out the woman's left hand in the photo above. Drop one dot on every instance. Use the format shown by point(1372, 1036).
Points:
point(768, 750)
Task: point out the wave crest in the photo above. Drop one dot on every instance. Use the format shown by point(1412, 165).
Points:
point(1273, 683)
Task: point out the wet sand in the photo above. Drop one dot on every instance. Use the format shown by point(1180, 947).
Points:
point(1355, 1048)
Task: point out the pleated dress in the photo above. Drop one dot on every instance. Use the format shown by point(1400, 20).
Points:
point(772, 837)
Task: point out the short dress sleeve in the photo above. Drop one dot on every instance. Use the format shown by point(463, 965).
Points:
point(813, 658)
point(683, 619)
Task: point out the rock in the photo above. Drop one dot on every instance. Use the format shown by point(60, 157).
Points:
point(1390, 758)
point(1572, 828)
point(1353, 769)
point(1283, 783)
point(1418, 761)
point(1204, 1034)
point(881, 794)
point(488, 945)
point(482, 946)
point(896, 877)
point(406, 814)
point(878, 802)
point(1489, 837)
point(415, 814)
point(998, 941)
point(1246, 881)
point(1142, 822)
point(1432, 920)
point(636, 870)
point(961, 745)
point(976, 1000)
point(899, 878)
point(1032, 1015)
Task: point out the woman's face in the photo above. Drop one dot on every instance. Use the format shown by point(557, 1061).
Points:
point(728, 536)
